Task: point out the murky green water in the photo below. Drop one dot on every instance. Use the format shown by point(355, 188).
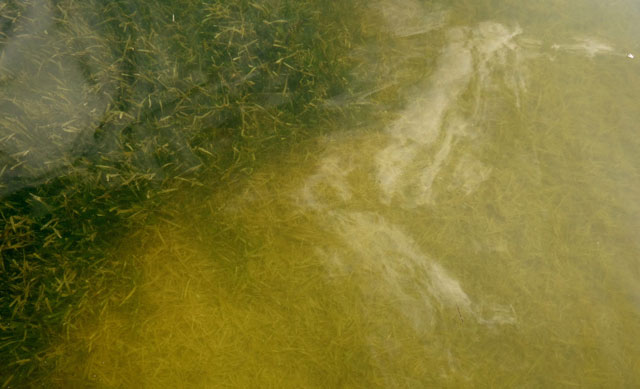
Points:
point(473, 220)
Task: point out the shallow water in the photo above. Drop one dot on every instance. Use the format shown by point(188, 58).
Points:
point(484, 233)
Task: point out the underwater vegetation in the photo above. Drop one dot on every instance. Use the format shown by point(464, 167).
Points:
point(108, 109)
point(315, 193)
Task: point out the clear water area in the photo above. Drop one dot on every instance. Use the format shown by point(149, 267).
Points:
point(485, 233)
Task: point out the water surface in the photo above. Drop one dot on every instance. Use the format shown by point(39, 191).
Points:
point(481, 229)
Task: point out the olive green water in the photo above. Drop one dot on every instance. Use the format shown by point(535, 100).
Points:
point(475, 223)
